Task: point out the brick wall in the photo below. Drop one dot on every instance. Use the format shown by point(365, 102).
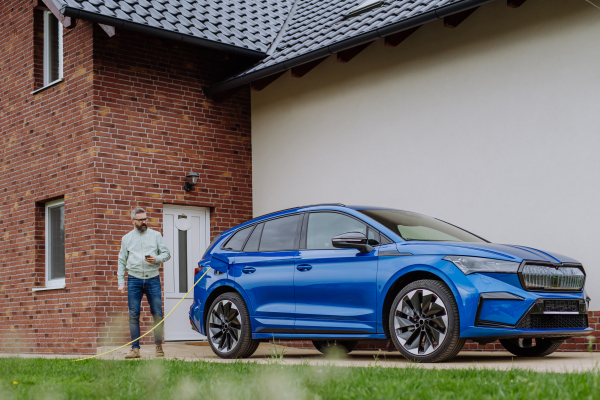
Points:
point(122, 130)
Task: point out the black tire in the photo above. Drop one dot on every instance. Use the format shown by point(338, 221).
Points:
point(227, 320)
point(429, 330)
point(525, 348)
point(345, 345)
point(251, 349)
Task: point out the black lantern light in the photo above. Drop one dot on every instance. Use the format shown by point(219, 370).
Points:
point(192, 179)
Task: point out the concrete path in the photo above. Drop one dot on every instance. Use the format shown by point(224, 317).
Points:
point(200, 351)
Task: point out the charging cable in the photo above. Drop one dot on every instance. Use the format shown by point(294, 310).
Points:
point(157, 325)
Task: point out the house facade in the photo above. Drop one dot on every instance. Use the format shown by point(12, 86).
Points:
point(121, 128)
point(479, 112)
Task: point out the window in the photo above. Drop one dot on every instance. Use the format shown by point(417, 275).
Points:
point(238, 239)
point(279, 234)
point(322, 227)
point(55, 244)
point(254, 240)
point(413, 226)
point(373, 237)
point(53, 49)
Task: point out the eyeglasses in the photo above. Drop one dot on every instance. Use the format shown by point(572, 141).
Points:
point(140, 219)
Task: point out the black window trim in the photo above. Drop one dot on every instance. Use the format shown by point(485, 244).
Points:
point(305, 228)
point(251, 227)
point(296, 235)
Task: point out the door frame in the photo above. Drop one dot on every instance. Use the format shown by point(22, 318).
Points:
point(173, 207)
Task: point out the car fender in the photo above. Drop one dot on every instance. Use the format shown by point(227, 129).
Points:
point(461, 288)
point(232, 284)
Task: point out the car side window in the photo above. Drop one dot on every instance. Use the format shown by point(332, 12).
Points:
point(238, 239)
point(279, 234)
point(373, 237)
point(254, 240)
point(322, 227)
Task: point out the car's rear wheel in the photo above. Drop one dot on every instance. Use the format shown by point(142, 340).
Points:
point(345, 345)
point(528, 347)
point(228, 327)
point(424, 322)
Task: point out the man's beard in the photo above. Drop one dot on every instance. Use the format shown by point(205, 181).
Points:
point(142, 228)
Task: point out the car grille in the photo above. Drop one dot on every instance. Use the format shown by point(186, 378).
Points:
point(552, 277)
point(555, 321)
point(561, 306)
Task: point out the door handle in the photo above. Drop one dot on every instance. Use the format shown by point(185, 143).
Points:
point(304, 267)
point(248, 270)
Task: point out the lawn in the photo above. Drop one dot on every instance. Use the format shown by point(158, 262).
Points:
point(25, 378)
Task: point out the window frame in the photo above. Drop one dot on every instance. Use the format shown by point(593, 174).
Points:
point(264, 221)
point(46, 66)
point(60, 282)
point(304, 233)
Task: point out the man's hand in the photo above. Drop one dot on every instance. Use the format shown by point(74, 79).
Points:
point(122, 288)
point(151, 259)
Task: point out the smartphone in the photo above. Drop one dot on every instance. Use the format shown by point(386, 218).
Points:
point(147, 256)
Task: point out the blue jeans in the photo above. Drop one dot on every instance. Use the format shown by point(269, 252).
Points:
point(136, 288)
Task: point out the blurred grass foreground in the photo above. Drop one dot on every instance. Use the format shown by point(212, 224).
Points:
point(35, 378)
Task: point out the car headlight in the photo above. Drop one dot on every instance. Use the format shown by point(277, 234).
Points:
point(471, 265)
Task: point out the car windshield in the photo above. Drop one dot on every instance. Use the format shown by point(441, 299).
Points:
point(413, 226)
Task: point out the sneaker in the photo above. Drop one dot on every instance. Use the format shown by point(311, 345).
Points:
point(159, 351)
point(134, 353)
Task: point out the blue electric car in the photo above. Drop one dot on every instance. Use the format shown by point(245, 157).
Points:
point(337, 274)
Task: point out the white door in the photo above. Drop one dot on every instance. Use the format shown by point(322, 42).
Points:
point(186, 232)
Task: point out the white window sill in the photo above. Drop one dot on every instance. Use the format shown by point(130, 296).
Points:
point(56, 82)
point(41, 289)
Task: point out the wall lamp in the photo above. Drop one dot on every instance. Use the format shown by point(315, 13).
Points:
point(192, 180)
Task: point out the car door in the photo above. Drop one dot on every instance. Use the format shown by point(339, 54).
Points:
point(335, 289)
point(265, 271)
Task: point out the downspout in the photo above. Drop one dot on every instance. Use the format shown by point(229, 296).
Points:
point(346, 44)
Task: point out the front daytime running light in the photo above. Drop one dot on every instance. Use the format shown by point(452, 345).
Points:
point(471, 265)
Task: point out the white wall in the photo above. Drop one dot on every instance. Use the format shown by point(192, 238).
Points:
point(493, 126)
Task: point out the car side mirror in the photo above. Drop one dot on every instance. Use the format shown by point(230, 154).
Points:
point(352, 240)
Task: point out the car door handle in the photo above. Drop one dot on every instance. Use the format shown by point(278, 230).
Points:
point(248, 270)
point(304, 267)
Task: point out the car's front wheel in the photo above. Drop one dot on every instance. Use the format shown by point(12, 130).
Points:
point(527, 347)
point(424, 322)
point(228, 327)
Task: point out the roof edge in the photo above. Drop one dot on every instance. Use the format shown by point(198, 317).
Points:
point(162, 33)
point(345, 44)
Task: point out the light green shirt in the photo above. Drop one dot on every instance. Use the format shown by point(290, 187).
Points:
point(134, 247)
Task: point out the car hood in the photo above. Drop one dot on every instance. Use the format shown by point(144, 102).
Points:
point(489, 250)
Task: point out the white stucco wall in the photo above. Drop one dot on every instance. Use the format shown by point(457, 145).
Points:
point(493, 126)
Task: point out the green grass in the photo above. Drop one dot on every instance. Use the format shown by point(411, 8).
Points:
point(173, 379)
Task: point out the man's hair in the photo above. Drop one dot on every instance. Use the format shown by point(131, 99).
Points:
point(137, 211)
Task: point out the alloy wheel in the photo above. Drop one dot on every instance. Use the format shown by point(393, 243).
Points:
point(225, 327)
point(421, 322)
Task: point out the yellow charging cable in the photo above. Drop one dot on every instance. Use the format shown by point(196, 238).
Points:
point(157, 325)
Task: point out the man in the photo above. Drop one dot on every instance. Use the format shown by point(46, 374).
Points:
point(142, 252)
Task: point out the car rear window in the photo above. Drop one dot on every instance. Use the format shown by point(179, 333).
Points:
point(238, 239)
point(254, 240)
point(279, 234)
